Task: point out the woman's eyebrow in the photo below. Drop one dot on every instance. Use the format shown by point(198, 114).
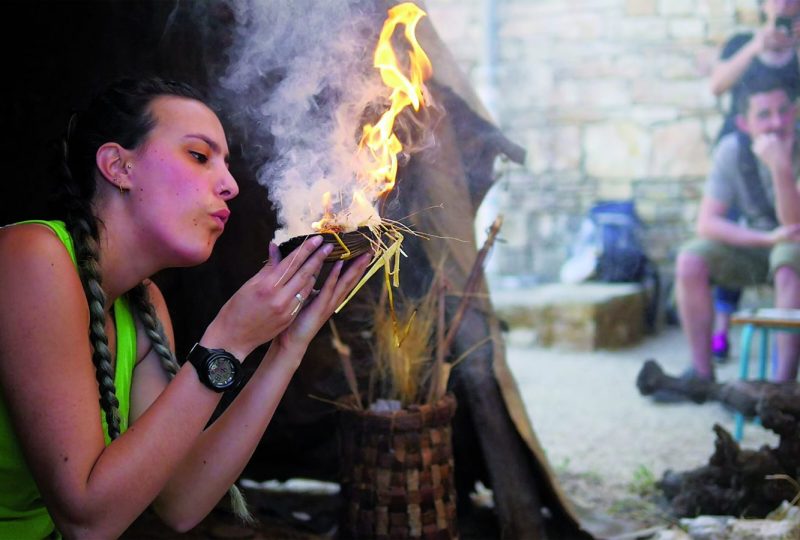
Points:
point(210, 142)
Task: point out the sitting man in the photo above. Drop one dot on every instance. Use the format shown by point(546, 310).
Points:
point(765, 149)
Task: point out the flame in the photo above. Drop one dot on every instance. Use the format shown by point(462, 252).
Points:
point(327, 214)
point(379, 145)
point(379, 140)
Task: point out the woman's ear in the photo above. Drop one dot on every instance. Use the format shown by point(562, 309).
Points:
point(111, 164)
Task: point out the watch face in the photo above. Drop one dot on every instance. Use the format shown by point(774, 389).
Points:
point(220, 371)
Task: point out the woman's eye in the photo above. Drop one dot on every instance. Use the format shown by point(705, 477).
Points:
point(201, 158)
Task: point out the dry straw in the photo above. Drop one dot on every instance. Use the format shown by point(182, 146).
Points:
point(411, 341)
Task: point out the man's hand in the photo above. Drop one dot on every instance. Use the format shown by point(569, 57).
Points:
point(769, 38)
point(775, 151)
point(785, 233)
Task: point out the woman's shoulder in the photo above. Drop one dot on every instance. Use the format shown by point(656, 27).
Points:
point(32, 237)
point(32, 249)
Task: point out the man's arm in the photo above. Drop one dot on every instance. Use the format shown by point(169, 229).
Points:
point(776, 153)
point(713, 224)
point(728, 71)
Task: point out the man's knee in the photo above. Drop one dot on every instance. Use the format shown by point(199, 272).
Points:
point(786, 276)
point(691, 267)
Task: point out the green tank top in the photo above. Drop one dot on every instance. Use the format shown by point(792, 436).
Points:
point(23, 515)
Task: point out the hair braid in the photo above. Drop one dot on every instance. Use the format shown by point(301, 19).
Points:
point(84, 234)
point(140, 301)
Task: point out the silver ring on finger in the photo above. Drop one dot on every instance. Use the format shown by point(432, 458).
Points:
point(300, 299)
point(296, 309)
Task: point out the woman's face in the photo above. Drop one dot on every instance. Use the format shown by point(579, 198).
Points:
point(181, 182)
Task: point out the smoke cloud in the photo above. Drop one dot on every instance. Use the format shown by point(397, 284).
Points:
point(300, 75)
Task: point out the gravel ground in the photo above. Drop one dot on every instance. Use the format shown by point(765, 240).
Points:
point(607, 442)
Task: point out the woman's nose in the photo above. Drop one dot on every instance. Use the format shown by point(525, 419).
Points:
point(228, 188)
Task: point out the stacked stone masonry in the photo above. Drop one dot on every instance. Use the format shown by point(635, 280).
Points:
point(611, 100)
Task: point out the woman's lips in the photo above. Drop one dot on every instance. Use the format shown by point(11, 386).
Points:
point(222, 216)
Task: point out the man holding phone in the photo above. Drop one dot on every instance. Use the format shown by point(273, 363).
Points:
point(770, 50)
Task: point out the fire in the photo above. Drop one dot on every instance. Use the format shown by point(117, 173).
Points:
point(327, 214)
point(379, 145)
point(379, 140)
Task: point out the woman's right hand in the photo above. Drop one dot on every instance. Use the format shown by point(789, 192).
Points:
point(266, 304)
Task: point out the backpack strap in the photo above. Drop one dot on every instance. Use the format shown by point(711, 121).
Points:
point(748, 166)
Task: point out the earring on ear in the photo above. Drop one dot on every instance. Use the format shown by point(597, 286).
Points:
point(122, 190)
point(129, 165)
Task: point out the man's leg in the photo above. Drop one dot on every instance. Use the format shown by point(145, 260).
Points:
point(696, 310)
point(726, 301)
point(787, 295)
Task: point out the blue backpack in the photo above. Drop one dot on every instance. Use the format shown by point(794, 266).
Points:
point(621, 257)
point(618, 238)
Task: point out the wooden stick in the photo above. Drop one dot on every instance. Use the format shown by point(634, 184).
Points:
point(472, 282)
point(438, 364)
point(347, 363)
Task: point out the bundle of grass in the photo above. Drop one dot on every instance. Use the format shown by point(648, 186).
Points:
point(403, 351)
point(410, 340)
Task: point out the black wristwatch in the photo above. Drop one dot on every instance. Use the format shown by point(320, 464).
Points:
point(217, 368)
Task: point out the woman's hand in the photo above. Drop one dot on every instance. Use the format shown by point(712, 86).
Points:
point(320, 307)
point(268, 302)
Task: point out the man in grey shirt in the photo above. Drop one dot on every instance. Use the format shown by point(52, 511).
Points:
point(756, 170)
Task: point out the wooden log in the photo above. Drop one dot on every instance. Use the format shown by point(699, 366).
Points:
point(736, 481)
point(743, 396)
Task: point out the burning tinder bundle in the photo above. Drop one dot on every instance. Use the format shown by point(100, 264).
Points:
point(348, 215)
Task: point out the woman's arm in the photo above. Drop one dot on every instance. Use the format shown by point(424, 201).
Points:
point(48, 382)
point(223, 450)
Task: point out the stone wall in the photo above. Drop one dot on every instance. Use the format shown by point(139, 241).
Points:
point(611, 100)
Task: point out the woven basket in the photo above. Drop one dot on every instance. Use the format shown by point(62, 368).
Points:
point(397, 473)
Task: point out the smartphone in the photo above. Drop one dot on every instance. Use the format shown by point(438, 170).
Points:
point(784, 23)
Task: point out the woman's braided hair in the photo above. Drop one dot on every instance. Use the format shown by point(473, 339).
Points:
point(121, 114)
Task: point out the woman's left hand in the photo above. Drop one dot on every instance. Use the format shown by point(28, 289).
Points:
point(321, 306)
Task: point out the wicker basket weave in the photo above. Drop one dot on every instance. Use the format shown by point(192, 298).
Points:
point(397, 473)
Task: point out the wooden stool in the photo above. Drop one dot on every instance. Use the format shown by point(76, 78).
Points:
point(763, 320)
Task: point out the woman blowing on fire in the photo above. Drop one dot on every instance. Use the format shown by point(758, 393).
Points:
point(145, 187)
